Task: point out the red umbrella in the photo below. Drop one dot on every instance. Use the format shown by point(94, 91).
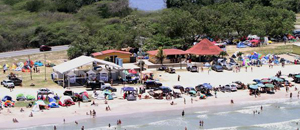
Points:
point(132, 71)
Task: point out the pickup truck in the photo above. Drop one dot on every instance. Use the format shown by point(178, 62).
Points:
point(100, 85)
point(8, 83)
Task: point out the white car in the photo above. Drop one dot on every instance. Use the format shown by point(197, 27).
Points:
point(231, 87)
point(8, 83)
point(44, 91)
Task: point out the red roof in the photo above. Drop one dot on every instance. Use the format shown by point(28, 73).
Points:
point(109, 51)
point(204, 47)
point(168, 52)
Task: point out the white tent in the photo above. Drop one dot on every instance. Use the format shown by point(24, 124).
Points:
point(80, 61)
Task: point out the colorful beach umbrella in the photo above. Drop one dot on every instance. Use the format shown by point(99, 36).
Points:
point(269, 85)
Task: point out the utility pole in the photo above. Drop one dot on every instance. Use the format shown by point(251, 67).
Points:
point(45, 66)
point(30, 67)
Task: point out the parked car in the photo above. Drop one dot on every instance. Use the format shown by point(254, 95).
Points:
point(150, 84)
point(17, 81)
point(239, 84)
point(230, 87)
point(227, 67)
point(97, 84)
point(170, 70)
point(165, 89)
point(73, 95)
point(192, 68)
point(108, 87)
point(45, 48)
point(44, 91)
point(8, 84)
point(217, 68)
point(162, 68)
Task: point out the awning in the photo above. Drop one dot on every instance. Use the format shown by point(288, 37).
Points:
point(81, 61)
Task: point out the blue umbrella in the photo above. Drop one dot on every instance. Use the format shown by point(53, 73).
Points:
point(128, 89)
point(207, 86)
point(253, 87)
point(260, 85)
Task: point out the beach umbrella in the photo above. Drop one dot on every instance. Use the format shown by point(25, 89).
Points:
point(269, 85)
point(192, 92)
point(128, 89)
point(265, 81)
point(30, 97)
point(256, 80)
point(253, 87)
point(20, 95)
point(260, 85)
point(207, 86)
point(178, 87)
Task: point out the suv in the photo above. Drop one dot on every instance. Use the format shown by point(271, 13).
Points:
point(192, 68)
point(230, 87)
point(45, 48)
point(17, 81)
point(152, 84)
point(105, 86)
point(44, 91)
point(8, 83)
point(217, 68)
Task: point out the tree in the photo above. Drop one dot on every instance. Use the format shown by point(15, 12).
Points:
point(223, 53)
point(160, 55)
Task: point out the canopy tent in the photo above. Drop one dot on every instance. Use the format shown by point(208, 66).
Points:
point(80, 61)
point(205, 47)
point(253, 86)
point(269, 85)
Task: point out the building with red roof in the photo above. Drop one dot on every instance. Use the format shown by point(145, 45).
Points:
point(204, 47)
point(112, 55)
point(172, 55)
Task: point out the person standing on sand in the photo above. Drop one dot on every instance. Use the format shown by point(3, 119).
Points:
point(182, 114)
point(78, 103)
point(192, 100)
point(184, 101)
point(251, 69)
point(215, 93)
point(232, 101)
point(82, 128)
point(185, 128)
point(178, 78)
point(261, 108)
point(291, 95)
point(54, 128)
point(64, 121)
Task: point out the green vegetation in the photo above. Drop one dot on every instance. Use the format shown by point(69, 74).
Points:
point(95, 25)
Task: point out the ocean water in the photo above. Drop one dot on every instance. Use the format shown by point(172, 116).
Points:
point(276, 115)
point(147, 5)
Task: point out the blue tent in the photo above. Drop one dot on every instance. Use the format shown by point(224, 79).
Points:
point(53, 105)
point(241, 45)
point(38, 63)
point(6, 98)
point(207, 86)
point(128, 89)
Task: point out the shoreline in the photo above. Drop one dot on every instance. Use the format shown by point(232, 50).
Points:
point(51, 121)
point(121, 107)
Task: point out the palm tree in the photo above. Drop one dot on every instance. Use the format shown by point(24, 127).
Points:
point(223, 53)
point(160, 55)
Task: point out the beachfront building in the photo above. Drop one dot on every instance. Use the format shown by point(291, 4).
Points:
point(114, 55)
point(77, 71)
point(203, 49)
point(172, 56)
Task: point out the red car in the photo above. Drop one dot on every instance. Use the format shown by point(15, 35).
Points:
point(45, 48)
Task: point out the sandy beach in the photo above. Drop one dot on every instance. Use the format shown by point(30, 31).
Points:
point(124, 107)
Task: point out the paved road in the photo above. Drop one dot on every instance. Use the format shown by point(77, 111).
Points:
point(31, 51)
